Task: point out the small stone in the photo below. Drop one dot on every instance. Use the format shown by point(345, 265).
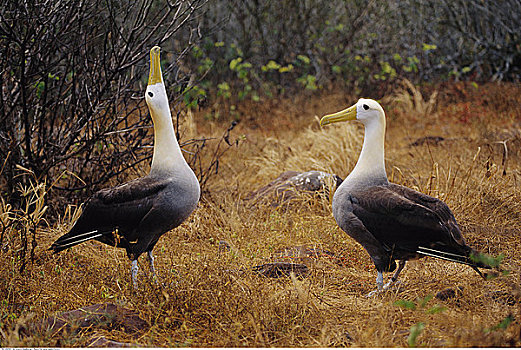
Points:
point(449, 293)
point(102, 342)
point(503, 297)
point(280, 269)
point(107, 316)
point(289, 184)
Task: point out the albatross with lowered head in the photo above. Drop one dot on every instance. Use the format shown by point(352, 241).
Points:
point(135, 214)
point(390, 221)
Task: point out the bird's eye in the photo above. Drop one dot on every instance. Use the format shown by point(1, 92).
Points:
point(366, 107)
point(151, 94)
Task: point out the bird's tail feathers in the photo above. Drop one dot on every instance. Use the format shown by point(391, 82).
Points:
point(466, 258)
point(70, 240)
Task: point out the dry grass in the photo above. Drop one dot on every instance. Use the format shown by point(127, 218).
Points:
point(409, 100)
point(210, 297)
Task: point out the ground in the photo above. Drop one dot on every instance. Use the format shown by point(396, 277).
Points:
point(462, 146)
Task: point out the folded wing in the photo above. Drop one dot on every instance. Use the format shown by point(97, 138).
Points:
point(411, 224)
point(111, 215)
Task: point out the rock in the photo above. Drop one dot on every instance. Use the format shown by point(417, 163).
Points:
point(224, 246)
point(449, 293)
point(427, 140)
point(289, 184)
point(102, 342)
point(280, 269)
point(107, 316)
point(503, 297)
point(313, 180)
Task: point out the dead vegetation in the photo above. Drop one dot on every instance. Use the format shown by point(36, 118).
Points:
point(211, 296)
point(408, 99)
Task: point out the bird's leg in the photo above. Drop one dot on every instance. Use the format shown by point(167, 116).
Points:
point(379, 280)
point(379, 284)
point(392, 280)
point(133, 272)
point(151, 263)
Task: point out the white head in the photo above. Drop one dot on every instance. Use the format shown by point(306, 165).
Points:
point(155, 94)
point(365, 111)
point(370, 168)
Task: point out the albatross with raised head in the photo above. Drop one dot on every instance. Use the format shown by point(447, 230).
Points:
point(390, 221)
point(136, 214)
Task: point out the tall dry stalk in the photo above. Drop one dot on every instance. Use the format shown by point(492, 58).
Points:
point(20, 226)
point(410, 101)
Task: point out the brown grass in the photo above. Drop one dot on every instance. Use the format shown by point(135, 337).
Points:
point(209, 297)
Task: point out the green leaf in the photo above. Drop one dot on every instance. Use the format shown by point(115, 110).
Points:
point(405, 304)
point(234, 62)
point(415, 332)
point(336, 69)
point(386, 67)
point(304, 59)
point(436, 309)
point(413, 59)
point(223, 89)
point(271, 65)
point(243, 75)
point(40, 87)
point(242, 95)
point(197, 52)
point(454, 72)
point(424, 301)
point(223, 86)
point(501, 325)
point(429, 47)
point(192, 94)
point(309, 82)
point(487, 259)
point(205, 65)
point(285, 69)
point(397, 57)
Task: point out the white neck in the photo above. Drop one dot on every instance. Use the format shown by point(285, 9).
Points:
point(167, 153)
point(371, 163)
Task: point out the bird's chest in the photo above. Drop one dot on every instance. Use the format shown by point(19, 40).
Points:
point(177, 203)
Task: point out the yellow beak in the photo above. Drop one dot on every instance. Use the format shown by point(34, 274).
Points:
point(155, 67)
point(344, 115)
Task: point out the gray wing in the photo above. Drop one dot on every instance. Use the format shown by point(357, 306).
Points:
point(121, 208)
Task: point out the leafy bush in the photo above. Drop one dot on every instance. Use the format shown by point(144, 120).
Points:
point(359, 44)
